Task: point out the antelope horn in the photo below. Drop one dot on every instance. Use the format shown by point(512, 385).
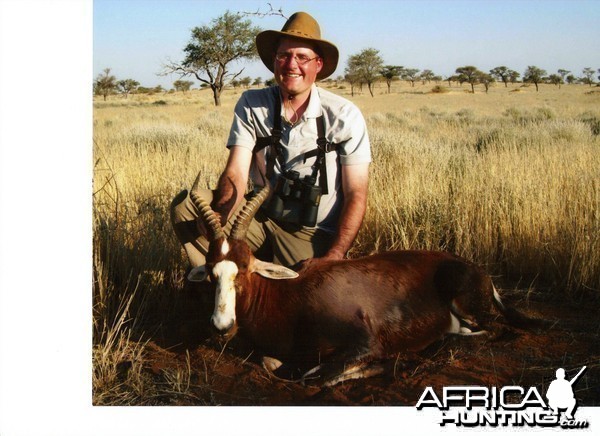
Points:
point(208, 216)
point(242, 222)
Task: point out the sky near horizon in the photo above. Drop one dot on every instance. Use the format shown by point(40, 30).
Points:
point(136, 37)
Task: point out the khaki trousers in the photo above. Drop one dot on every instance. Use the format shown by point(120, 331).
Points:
point(282, 243)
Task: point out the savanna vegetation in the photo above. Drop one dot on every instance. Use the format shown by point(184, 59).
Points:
point(508, 179)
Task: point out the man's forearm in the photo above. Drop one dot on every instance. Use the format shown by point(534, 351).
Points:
point(355, 181)
point(351, 219)
point(232, 183)
point(230, 191)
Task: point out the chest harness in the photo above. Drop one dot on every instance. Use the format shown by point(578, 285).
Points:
point(319, 168)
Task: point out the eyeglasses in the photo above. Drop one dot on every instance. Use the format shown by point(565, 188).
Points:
point(300, 59)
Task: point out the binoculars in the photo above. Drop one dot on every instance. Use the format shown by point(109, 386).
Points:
point(295, 200)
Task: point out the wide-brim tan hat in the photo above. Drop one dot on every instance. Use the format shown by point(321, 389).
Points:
point(299, 26)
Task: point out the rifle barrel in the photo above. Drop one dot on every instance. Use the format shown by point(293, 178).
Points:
point(574, 379)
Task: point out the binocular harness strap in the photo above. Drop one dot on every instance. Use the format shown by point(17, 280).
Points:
point(273, 141)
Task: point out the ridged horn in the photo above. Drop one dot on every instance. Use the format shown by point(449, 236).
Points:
point(242, 221)
point(208, 216)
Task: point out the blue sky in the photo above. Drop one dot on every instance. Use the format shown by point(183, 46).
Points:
point(135, 37)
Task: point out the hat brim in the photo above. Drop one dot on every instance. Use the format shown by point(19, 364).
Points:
point(268, 41)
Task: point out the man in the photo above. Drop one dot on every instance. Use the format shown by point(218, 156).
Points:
point(560, 393)
point(309, 144)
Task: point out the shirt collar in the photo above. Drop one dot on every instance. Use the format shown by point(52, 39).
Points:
point(314, 109)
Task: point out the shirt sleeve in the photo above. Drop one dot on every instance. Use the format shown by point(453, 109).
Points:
point(351, 135)
point(243, 130)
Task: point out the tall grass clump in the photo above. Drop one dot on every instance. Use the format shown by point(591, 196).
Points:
point(592, 120)
point(519, 196)
point(143, 156)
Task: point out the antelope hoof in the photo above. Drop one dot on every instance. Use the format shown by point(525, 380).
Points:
point(271, 364)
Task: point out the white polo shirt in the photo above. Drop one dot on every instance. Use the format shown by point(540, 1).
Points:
point(344, 125)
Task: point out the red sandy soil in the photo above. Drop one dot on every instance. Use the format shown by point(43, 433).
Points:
point(232, 374)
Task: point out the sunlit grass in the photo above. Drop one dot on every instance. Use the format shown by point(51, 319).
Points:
point(508, 179)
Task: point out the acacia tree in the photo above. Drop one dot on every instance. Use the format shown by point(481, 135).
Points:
point(588, 76)
point(563, 74)
point(503, 74)
point(212, 50)
point(486, 80)
point(534, 75)
point(105, 84)
point(127, 86)
point(182, 85)
point(426, 76)
point(389, 72)
point(411, 74)
point(450, 79)
point(352, 75)
point(365, 67)
point(555, 79)
point(246, 81)
point(469, 74)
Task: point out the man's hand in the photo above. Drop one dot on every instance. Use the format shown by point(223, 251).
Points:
point(232, 183)
point(313, 262)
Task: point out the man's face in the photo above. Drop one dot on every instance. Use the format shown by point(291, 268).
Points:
point(293, 78)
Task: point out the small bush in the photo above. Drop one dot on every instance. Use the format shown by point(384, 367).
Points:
point(160, 103)
point(438, 89)
point(544, 113)
point(486, 139)
point(524, 117)
point(466, 115)
point(592, 121)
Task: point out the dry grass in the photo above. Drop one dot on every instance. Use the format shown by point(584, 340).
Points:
point(508, 179)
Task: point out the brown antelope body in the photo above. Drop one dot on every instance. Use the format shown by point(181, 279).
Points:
point(346, 313)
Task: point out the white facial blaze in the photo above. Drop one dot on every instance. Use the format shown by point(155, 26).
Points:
point(225, 248)
point(224, 314)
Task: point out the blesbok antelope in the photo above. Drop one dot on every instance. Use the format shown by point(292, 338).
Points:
point(341, 316)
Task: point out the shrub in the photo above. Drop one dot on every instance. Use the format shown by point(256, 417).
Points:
point(438, 89)
point(592, 121)
point(524, 117)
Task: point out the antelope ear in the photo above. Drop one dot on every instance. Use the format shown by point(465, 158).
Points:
point(272, 271)
point(197, 274)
